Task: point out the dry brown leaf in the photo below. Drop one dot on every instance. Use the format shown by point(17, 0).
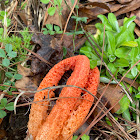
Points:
point(2, 134)
point(137, 14)
point(124, 1)
point(112, 98)
point(1, 120)
point(50, 50)
point(27, 82)
point(93, 12)
point(58, 19)
point(100, 0)
point(135, 4)
point(23, 17)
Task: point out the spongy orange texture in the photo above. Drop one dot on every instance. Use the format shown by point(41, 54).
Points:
point(44, 127)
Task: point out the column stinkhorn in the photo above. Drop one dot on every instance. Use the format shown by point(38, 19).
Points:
point(68, 113)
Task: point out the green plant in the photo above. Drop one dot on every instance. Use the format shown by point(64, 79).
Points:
point(56, 5)
point(5, 105)
point(49, 30)
point(120, 52)
point(84, 137)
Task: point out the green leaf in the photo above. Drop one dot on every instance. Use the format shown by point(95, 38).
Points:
point(121, 63)
point(130, 44)
point(112, 68)
point(12, 54)
point(111, 42)
point(122, 52)
point(1, 106)
point(105, 22)
point(51, 11)
point(1, 31)
point(138, 95)
point(93, 63)
point(6, 62)
point(56, 28)
point(126, 115)
point(8, 48)
point(2, 53)
point(9, 74)
point(18, 76)
point(86, 50)
point(3, 102)
point(121, 37)
point(112, 58)
point(2, 114)
point(10, 106)
point(64, 52)
point(129, 21)
point(134, 53)
point(124, 104)
point(74, 137)
point(113, 21)
point(85, 137)
point(99, 26)
point(45, 31)
point(49, 27)
point(134, 71)
point(45, 1)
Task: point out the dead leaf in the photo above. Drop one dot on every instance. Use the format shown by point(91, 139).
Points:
point(93, 12)
point(50, 50)
point(2, 134)
point(99, 1)
point(28, 81)
point(124, 1)
point(135, 4)
point(112, 98)
point(137, 14)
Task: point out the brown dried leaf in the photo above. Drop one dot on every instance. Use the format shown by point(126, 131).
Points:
point(124, 1)
point(51, 50)
point(2, 134)
point(27, 82)
point(112, 98)
point(22, 16)
point(137, 14)
point(93, 12)
point(135, 4)
point(99, 0)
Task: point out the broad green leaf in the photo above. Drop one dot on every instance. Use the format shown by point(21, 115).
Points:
point(105, 79)
point(111, 42)
point(45, 1)
point(86, 50)
point(121, 37)
point(6, 62)
point(1, 106)
point(10, 106)
point(3, 102)
point(134, 70)
point(49, 27)
point(51, 11)
point(134, 53)
point(129, 21)
point(112, 58)
point(113, 21)
point(99, 26)
point(105, 22)
point(12, 54)
point(2, 53)
point(2, 114)
point(74, 137)
point(56, 28)
point(1, 31)
point(122, 52)
point(138, 95)
point(93, 63)
point(126, 115)
point(18, 76)
point(130, 44)
point(9, 74)
point(85, 137)
point(121, 63)
point(8, 48)
point(124, 104)
point(112, 68)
